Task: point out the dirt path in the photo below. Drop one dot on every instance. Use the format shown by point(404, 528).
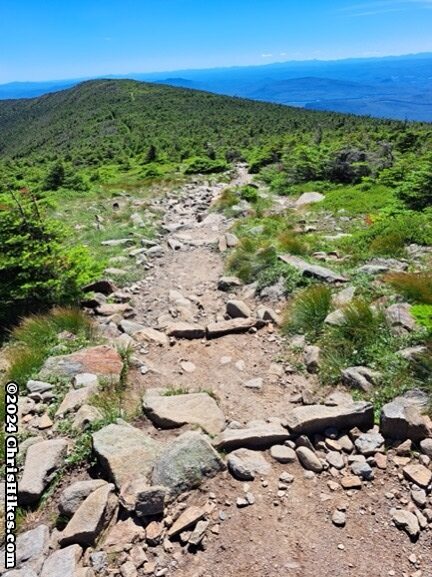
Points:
point(286, 533)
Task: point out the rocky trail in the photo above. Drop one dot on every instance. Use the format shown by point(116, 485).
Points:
point(234, 463)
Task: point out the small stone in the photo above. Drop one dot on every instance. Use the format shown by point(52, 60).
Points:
point(188, 518)
point(309, 459)
point(418, 474)
point(283, 454)
point(407, 521)
point(245, 464)
point(351, 482)
point(368, 443)
point(256, 384)
point(335, 459)
point(154, 533)
point(339, 519)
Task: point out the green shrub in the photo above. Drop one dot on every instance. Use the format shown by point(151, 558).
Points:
point(249, 193)
point(271, 275)
point(415, 287)
point(416, 189)
point(306, 314)
point(37, 269)
point(201, 165)
point(251, 257)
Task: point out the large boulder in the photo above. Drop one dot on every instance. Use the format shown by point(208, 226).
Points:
point(185, 463)
point(316, 418)
point(32, 546)
point(41, 464)
point(125, 452)
point(91, 518)
point(103, 361)
point(311, 270)
point(309, 198)
point(257, 435)
point(402, 418)
point(177, 410)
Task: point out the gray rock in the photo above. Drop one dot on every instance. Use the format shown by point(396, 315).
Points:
point(85, 416)
point(231, 240)
point(245, 464)
point(259, 435)
point(316, 418)
point(426, 447)
point(91, 518)
point(283, 454)
point(182, 330)
point(177, 410)
point(339, 519)
point(74, 495)
point(402, 418)
point(38, 386)
point(238, 309)
point(32, 546)
point(142, 498)
point(312, 358)
point(185, 463)
point(335, 459)
point(335, 318)
point(369, 443)
point(418, 474)
point(309, 198)
point(148, 335)
point(41, 464)
point(268, 314)
point(310, 270)
point(62, 563)
point(125, 453)
point(360, 378)
point(413, 353)
point(309, 460)
point(407, 521)
point(227, 283)
point(363, 470)
point(130, 327)
point(344, 297)
point(256, 383)
point(233, 326)
point(400, 318)
point(24, 572)
point(85, 380)
point(75, 399)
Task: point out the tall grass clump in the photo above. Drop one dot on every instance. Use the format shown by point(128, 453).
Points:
point(39, 336)
point(308, 311)
point(415, 287)
point(251, 257)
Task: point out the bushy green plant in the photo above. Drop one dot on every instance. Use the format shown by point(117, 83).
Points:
point(306, 314)
point(251, 257)
point(423, 315)
point(202, 165)
point(416, 189)
point(279, 270)
point(36, 267)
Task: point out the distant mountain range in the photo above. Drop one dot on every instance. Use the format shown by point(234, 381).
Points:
point(397, 87)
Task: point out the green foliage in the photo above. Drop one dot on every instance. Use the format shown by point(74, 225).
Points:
point(37, 268)
point(200, 165)
point(249, 193)
point(279, 270)
point(416, 190)
point(306, 314)
point(415, 287)
point(423, 314)
point(251, 257)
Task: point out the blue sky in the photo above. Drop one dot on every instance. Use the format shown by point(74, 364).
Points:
point(54, 39)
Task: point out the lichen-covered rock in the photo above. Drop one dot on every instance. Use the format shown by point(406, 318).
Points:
point(185, 463)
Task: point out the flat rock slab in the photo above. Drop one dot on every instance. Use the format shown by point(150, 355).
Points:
point(418, 474)
point(63, 563)
point(75, 399)
point(149, 335)
point(233, 326)
point(125, 452)
point(316, 418)
point(178, 410)
point(102, 361)
point(185, 463)
point(91, 518)
point(41, 464)
point(245, 464)
point(316, 271)
point(185, 331)
point(188, 518)
point(259, 436)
